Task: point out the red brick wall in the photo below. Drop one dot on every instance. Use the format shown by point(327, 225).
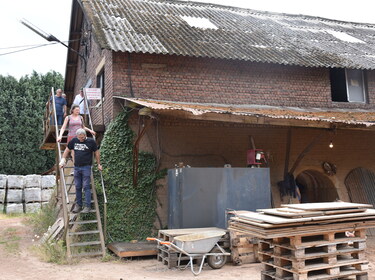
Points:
point(206, 80)
point(94, 59)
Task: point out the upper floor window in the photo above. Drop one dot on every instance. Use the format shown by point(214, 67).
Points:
point(100, 81)
point(347, 85)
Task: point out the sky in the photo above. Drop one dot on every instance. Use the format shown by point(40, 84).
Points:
point(53, 17)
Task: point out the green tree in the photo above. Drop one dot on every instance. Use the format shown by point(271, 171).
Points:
point(21, 116)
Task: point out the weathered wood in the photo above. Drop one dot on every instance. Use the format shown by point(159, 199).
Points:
point(126, 249)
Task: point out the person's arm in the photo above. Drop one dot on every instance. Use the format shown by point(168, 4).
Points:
point(65, 110)
point(63, 129)
point(97, 158)
point(89, 130)
point(64, 156)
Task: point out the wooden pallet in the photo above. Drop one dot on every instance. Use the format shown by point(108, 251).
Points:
point(243, 247)
point(314, 256)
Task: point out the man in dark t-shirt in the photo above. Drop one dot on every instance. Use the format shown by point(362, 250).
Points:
point(83, 148)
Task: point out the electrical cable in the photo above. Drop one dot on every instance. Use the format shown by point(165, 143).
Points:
point(33, 47)
point(27, 49)
point(26, 46)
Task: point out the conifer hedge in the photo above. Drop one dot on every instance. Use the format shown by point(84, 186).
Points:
point(21, 114)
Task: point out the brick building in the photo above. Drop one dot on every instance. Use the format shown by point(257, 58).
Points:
point(214, 76)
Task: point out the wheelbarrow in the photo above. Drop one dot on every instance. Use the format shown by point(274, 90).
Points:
point(198, 246)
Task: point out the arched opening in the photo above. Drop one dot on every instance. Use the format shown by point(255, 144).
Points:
point(360, 184)
point(315, 187)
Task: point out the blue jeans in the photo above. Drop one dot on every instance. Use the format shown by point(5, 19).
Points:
point(82, 177)
point(59, 118)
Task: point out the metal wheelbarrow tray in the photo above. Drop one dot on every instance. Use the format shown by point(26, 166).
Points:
point(199, 245)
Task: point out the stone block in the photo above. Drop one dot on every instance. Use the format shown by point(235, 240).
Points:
point(3, 181)
point(46, 194)
point(2, 196)
point(16, 182)
point(44, 204)
point(15, 195)
point(33, 181)
point(33, 194)
point(14, 208)
point(48, 181)
point(32, 207)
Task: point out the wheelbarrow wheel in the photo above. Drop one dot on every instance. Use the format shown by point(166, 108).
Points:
point(216, 262)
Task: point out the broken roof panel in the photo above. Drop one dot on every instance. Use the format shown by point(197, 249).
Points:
point(210, 30)
point(318, 117)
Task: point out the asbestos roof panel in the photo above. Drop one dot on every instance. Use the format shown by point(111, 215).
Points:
point(209, 30)
point(363, 118)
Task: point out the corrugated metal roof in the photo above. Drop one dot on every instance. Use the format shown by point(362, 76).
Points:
point(362, 118)
point(208, 30)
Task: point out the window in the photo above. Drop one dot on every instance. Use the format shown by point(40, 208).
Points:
point(347, 85)
point(100, 81)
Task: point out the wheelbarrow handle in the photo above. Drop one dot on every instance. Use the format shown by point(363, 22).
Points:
point(150, 238)
point(165, 243)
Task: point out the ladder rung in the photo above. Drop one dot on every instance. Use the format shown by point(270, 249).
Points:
point(83, 222)
point(88, 254)
point(85, 243)
point(83, 232)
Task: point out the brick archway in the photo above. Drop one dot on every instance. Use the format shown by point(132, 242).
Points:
point(315, 186)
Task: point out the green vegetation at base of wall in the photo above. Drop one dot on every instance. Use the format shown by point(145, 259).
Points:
point(21, 116)
point(131, 210)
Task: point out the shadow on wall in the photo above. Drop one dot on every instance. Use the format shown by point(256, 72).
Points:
point(315, 186)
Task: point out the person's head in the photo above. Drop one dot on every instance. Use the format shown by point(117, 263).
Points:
point(74, 110)
point(63, 95)
point(81, 92)
point(81, 134)
point(59, 92)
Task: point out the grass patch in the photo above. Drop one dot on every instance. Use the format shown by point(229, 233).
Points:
point(43, 219)
point(52, 252)
point(10, 241)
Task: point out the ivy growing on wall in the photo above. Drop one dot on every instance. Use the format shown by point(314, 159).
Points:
point(131, 210)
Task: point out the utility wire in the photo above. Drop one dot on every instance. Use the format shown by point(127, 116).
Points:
point(38, 46)
point(25, 46)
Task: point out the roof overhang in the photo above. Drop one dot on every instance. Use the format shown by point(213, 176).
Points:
point(259, 114)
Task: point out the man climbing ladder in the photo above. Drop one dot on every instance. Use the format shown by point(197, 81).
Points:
point(83, 148)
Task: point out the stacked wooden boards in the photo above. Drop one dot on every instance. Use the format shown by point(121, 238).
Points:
point(310, 241)
point(169, 257)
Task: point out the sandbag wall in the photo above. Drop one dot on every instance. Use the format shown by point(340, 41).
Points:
point(25, 194)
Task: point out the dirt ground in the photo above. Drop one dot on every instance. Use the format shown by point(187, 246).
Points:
point(19, 262)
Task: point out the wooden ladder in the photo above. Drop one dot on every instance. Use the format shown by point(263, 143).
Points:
point(83, 232)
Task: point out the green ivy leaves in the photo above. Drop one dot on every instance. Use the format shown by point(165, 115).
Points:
point(130, 210)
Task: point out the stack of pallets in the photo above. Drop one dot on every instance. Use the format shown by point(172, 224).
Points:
point(169, 257)
point(310, 241)
point(243, 248)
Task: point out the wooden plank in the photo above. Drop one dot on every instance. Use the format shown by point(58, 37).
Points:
point(182, 231)
point(126, 249)
point(327, 206)
point(297, 213)
point(264, 218)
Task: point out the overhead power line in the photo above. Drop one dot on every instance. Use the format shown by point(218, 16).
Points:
point(37, 46)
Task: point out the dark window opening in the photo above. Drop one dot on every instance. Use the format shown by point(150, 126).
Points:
point(347, 85)
point(100, 81)
point(338, 85)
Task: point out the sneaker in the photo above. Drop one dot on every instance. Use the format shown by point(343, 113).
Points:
point(77, 208)
point(86, 210)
